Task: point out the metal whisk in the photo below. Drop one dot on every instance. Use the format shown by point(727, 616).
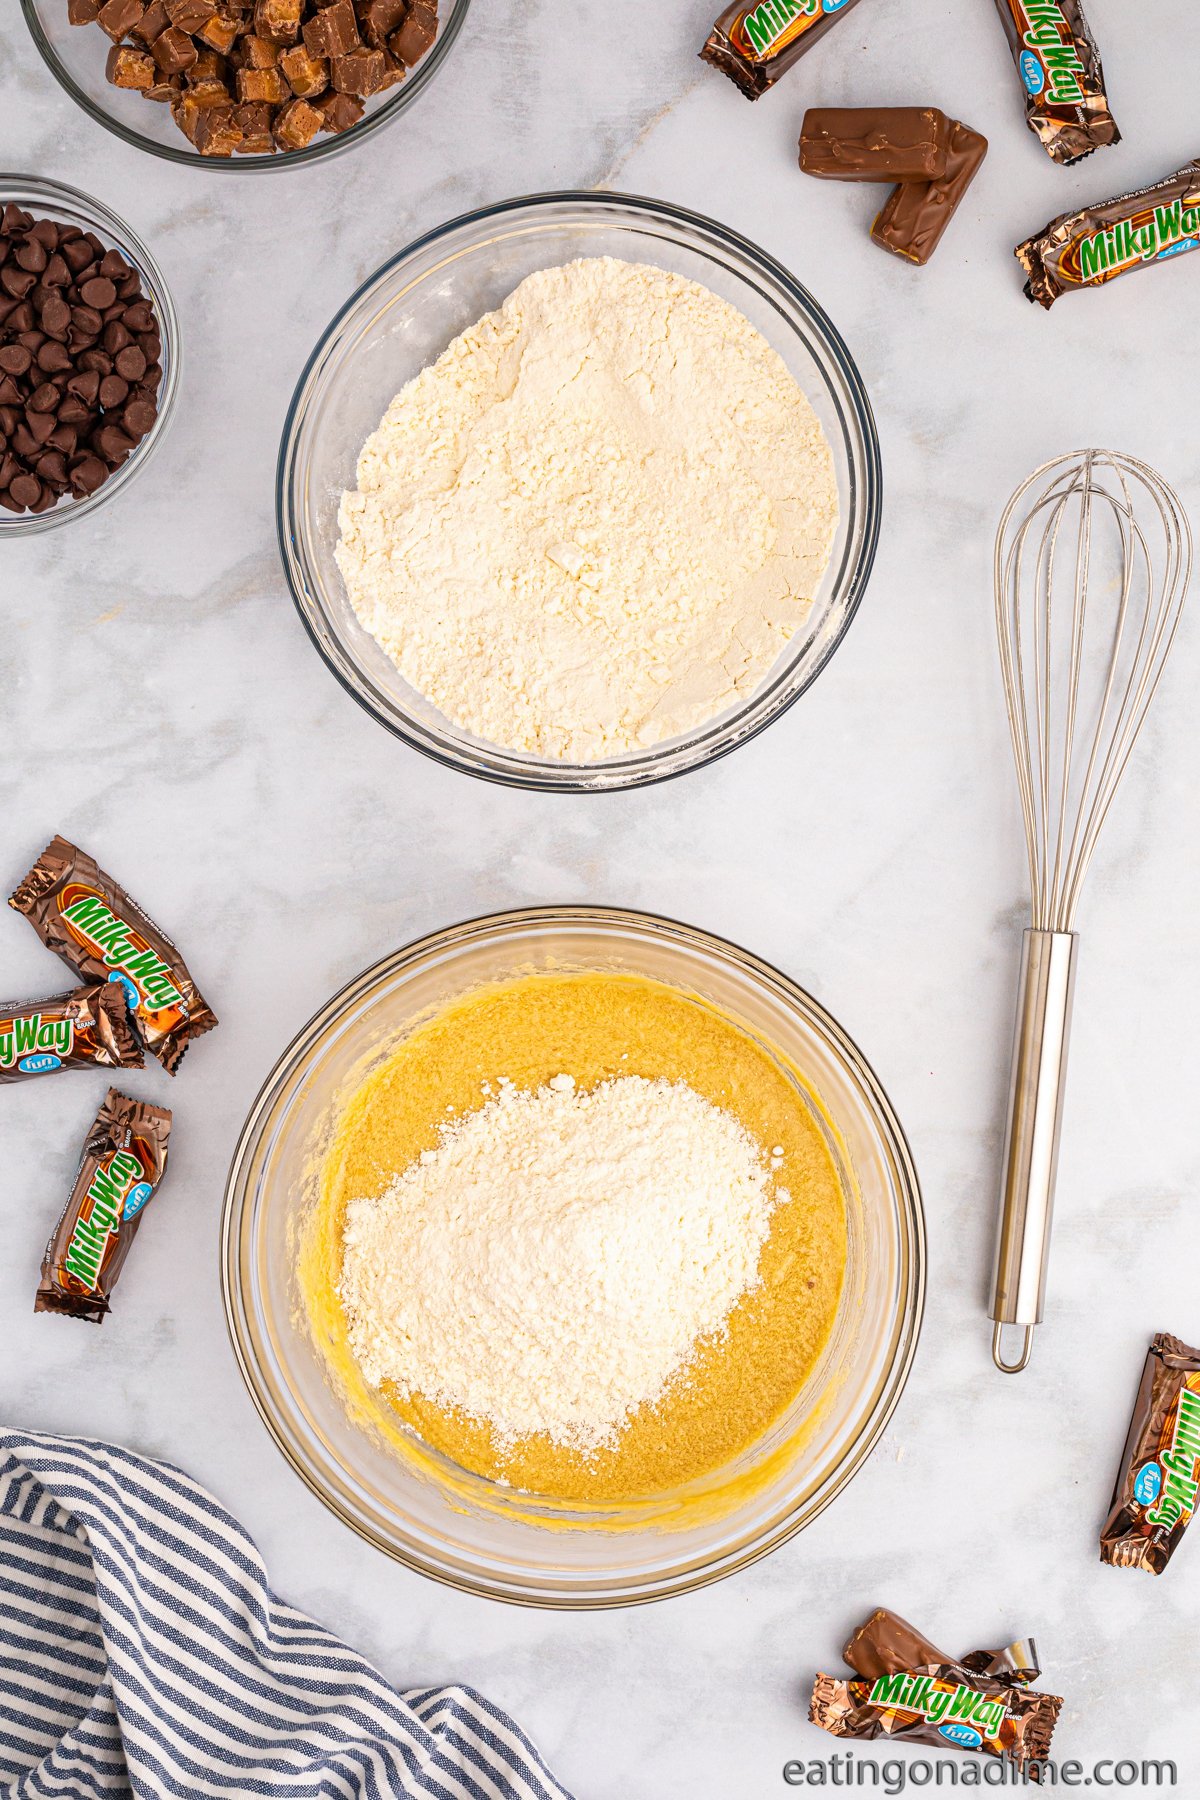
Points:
point(1093, 559)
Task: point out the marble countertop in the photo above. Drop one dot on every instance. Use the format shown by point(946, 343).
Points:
point(164, 706)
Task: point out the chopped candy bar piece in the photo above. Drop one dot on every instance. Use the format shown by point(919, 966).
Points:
point(118, 17)
point(130, 68)
point(261, 84)
point(306, 75)
point(362, 72)
point(297, 124)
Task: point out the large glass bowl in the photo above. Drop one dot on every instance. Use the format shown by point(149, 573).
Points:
point(403, 318)
point(76, 55)
point(475, 1534)
point(54, 200)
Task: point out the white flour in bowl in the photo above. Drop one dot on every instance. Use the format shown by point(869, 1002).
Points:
point(556, 1260)
point(596, 520)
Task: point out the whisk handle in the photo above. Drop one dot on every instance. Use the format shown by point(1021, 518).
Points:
point(1039, 1074)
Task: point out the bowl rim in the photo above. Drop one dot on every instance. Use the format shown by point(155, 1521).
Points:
point(856, 395)
point(910, 1308)
point(32, 191)
point(325, 146)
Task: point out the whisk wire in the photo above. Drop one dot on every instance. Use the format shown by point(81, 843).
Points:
point(1072, 738)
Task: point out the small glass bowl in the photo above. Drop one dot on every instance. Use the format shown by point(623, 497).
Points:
point(53, 200)
point(482, 1536)
point(402, 319)
point(76, 55)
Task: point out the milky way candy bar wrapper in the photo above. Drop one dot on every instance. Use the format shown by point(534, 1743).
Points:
point(89, 920)
point(944, 1705)
point(755, 45)
point(123, 1162)
point(1087, 248)
point(1056, 56)
point(1154, 1499)
point(86, 1029)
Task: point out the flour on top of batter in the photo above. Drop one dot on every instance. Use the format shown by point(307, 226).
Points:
point(597, 519)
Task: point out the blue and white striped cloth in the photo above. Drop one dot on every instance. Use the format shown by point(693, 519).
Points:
point(143, 1653)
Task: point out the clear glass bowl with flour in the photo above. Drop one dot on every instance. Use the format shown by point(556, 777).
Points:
point(399, 324)
point(484, 1535)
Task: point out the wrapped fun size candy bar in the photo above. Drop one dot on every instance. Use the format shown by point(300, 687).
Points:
point(89, 920)
point(909, 1689)
point(123, 1162)
point(754, 45)
point(1056, 56)
point(1156, 1488)
point(1085, 249)
point(86, 1029)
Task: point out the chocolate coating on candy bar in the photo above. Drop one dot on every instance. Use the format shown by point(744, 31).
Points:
point(86, 1029)
point(885, 1642)
point(1154, 1498)
point(1056, 57)
point(1087, 248)
point(916, 214)
point(875, 143)
point(755, 45)
point(123, 1162)
point(92, 923)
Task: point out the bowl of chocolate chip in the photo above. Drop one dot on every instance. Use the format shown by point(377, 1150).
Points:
point(244, 84)
point(89, 354)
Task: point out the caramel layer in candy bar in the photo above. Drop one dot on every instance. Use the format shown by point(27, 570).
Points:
point(875, 143)
point(86, 1029)
point(123, 1162)
point(1059, 65)
point(89, 920)
point(1154, 1498)
point(1085, 249)
point(755, 45)
point(916, 214)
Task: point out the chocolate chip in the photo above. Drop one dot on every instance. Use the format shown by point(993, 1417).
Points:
point(44, 399)
point(56, 317)
point(113, 392)
point(87, 474)
point(98, 292)
point(116, 337)
point(52, 355)
point(138, 417)
point(25, 490)
point(14, 359)
point(78, 254)
point(131, 363)
point(32, 255)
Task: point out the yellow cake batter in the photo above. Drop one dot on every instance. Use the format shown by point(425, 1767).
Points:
point(595, 1027)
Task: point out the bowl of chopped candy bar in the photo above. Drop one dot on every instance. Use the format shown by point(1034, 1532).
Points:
point(244, 84)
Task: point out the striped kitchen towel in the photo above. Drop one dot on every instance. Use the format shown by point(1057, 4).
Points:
point(142, 1653)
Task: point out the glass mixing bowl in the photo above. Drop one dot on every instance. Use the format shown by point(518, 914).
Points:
point(473, 1533)
point(403, 318)
point(76, 55)
point(54, 200)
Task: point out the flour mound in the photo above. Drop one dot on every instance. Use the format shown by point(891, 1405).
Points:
point(597, 519)
point(556, 1260)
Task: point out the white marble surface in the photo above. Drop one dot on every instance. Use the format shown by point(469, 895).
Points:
point(163, 705)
